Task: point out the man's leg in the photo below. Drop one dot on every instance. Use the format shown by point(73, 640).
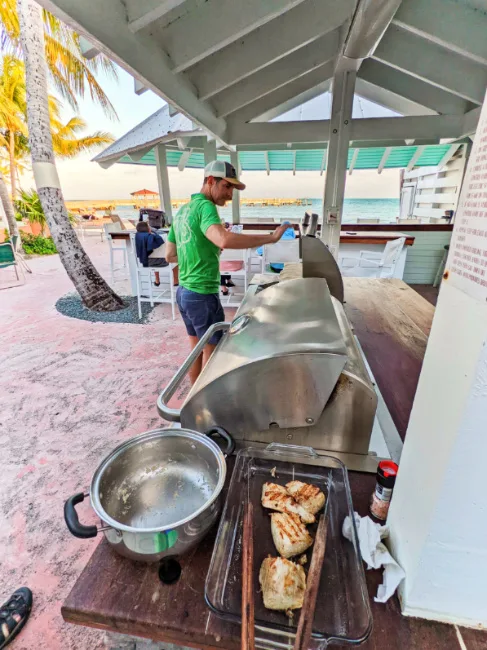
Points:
point(207, 352)
point(197, 366)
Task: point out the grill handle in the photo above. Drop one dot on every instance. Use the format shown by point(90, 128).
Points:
point(174, 415)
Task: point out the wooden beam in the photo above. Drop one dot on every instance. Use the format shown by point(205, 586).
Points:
point(415, 158)
point(142, 13)
point(185, 156)
point(390, 100)
point(209, 151)
point(384, 158)
point(139, 88)
point(412, 89)
point(449, 155)
point(455, 26)
point(277, 74)
point(285, 93)
point(88, 50)
point(381, 129)
point(297, 28)
point(433, 64)
point(353, 161)
point(209, 27)
point(163, 180)
point(323, 162)
point(106, 24)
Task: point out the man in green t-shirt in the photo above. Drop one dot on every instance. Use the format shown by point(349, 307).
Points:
point(195, 241)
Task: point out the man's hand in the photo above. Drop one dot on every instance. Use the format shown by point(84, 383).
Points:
point(279, 232)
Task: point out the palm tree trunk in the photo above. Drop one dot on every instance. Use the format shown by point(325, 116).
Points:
point(8, 209)
point(94, 291)
point(11, 151)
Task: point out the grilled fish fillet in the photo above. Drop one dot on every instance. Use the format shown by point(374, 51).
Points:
point(290, 535)
point(283, 583)
point(308, 496)
point(276, 497)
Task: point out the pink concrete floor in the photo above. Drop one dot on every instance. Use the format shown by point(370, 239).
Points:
point(70, 391)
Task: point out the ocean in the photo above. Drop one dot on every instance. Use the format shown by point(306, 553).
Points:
point(386, 210)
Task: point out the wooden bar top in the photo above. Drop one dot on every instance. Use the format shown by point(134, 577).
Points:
point(112, 593)
point(346, 236)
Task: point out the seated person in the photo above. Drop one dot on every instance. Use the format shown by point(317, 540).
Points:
point(150, 248)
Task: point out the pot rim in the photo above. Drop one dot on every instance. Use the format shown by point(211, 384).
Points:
point(200, 438)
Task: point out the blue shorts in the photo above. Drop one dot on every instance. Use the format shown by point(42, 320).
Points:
point(199, 312)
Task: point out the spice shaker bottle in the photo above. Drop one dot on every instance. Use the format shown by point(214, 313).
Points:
point(381, 497)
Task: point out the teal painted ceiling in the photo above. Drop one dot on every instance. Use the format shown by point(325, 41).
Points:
point(307, 159)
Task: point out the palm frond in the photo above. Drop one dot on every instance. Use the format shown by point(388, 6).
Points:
point(70, 147)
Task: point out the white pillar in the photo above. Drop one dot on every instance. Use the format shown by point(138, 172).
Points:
point(209, 151)
point(236, 193)
point(163, 180)
point(337, 153)
point(438, 516)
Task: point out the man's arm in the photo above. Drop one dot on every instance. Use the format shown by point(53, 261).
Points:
point(226, 239)
point(171, 253)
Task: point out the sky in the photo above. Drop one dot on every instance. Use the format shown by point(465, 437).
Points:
point(82, 179)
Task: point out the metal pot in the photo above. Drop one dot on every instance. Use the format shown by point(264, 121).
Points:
point(157, 494)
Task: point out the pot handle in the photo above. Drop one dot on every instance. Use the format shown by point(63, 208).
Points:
point(223, 433)
point(72, 521)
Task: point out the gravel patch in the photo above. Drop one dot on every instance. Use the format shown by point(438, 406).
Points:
point(70, 305)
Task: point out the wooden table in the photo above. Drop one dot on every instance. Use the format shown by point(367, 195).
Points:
point(392, 323)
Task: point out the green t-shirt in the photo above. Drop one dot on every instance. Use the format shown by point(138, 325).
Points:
point(198, 257)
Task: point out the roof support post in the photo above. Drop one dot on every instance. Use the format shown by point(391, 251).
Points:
point(209, 151)
point(267, 165)
point(163, 180)
point(337, 154)
point(236, 193)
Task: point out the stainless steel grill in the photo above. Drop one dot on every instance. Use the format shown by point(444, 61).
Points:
point(288, 368)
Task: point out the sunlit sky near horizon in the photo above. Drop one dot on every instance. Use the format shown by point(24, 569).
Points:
point(83, 179)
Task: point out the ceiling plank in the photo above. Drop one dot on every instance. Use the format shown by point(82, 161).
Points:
point(294, 29)
point(142, 13)
point(412, 89)
point(106, 24)
point(285, 93)
point(393, 128)
point(353, 161)
point(383, 160)
point(277, 74)
point(213, 25)
point(453, 25)
point(415, 158)
point(438, 66)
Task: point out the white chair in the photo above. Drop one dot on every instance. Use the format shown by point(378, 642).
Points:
point(243, 258)
point(146, 289)
point(108, 229)
point(281, 252)
point(375, 265)
point(366, 220)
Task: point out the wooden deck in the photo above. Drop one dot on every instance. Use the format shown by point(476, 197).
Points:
point(392, 323)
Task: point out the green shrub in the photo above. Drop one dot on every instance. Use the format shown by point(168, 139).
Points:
point(37, 244)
